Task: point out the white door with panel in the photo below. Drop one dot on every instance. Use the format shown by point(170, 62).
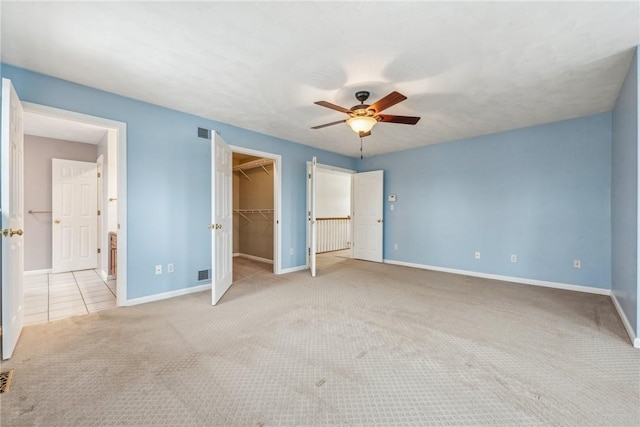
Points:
point(75, 215)
point(312, 240)
point(12, 205)
point(368, 203)
point(221, 217)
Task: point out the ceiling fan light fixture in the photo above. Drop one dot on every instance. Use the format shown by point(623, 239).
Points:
point(361, 124)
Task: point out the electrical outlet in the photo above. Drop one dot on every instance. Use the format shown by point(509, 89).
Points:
point(477, 255)
point(170, 268)
point(392, 207)
point(395, 246)
point(577, 263)
point(514, 258)
point(158, 269)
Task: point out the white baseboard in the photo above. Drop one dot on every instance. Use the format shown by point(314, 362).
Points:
point(293, 269)
point(103, 275)
point(625, 321)
point(235, 254)
point(254, 258)
point(170, 294)
point(34, 272)
point(521, 280)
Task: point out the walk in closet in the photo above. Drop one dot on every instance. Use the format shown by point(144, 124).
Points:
point(253, 207)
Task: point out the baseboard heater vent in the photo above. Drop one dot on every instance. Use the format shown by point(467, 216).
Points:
point(5, 380)
point(203, 275)
point(204, 133)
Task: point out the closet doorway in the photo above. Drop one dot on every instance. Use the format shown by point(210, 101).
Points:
point(255, 201)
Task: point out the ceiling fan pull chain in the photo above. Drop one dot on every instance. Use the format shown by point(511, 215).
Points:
point(361, 149)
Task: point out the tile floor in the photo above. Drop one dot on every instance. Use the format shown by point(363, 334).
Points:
point(51, 296)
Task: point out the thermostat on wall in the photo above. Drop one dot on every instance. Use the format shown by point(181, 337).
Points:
point(392, 197)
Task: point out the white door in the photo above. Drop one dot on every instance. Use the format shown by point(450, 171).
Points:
point(221, 217)
point(12, 205)
point(312, 245)
point(367, 215)
point(75, 215)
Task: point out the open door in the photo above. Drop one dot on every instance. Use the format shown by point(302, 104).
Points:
point(313, 225)
point(75, 215)
point(221, 217)
point(368, 201)
point(12, 204)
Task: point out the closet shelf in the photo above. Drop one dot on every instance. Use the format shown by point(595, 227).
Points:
point(259, 163)
point(243, 212)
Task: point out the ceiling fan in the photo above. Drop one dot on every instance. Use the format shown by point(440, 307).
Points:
point(363, 117)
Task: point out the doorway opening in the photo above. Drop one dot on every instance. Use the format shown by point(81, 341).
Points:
point(264, 237)
point(333, 210)
point(73, 264)
point(253, 208)
point(330, 207)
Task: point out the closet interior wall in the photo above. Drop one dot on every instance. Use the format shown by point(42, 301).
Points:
point(253, 209)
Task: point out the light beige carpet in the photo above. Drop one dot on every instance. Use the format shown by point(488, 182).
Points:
point(361, 344)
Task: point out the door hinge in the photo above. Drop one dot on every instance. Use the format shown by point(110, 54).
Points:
point(309, 176)
point(99, 251)
point(99, 175)
point(99, 212)
point(309, 251)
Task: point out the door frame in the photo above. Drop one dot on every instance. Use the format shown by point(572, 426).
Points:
point(99, 167)
point(121, 134)
point(336, 169)
point(277, 199)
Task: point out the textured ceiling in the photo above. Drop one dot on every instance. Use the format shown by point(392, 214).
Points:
point(467, 68)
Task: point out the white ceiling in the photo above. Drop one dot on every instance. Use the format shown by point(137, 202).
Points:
point(467, 68)
point(66, 130)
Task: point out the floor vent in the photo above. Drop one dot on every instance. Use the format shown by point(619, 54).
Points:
point(203, 275)
point(204, 133)
point(5, 380)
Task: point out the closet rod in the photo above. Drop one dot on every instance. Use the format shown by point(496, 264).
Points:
point(31, 211)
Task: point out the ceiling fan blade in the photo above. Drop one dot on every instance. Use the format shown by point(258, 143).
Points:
point(363, 134)
point(405, 120)
point(328, 124)
point(388, 101)
point(332, 106)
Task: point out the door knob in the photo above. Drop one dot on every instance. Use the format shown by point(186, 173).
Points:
point(219, 226)
point(57, 221)
point(12, 232)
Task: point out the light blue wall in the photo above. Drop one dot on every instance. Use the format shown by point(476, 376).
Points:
point(624, 196)
point(541, 193)
point(168, 175)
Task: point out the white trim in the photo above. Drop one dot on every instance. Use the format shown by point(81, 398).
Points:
point(121, 129)
point(255, 258)
point(625, 321)
point(35, 272)
point(170, 294)
point(103, 275)
point(294, 269)
point(524, 281)
point(277, 200)
point(236, 254)
point(334, 168)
